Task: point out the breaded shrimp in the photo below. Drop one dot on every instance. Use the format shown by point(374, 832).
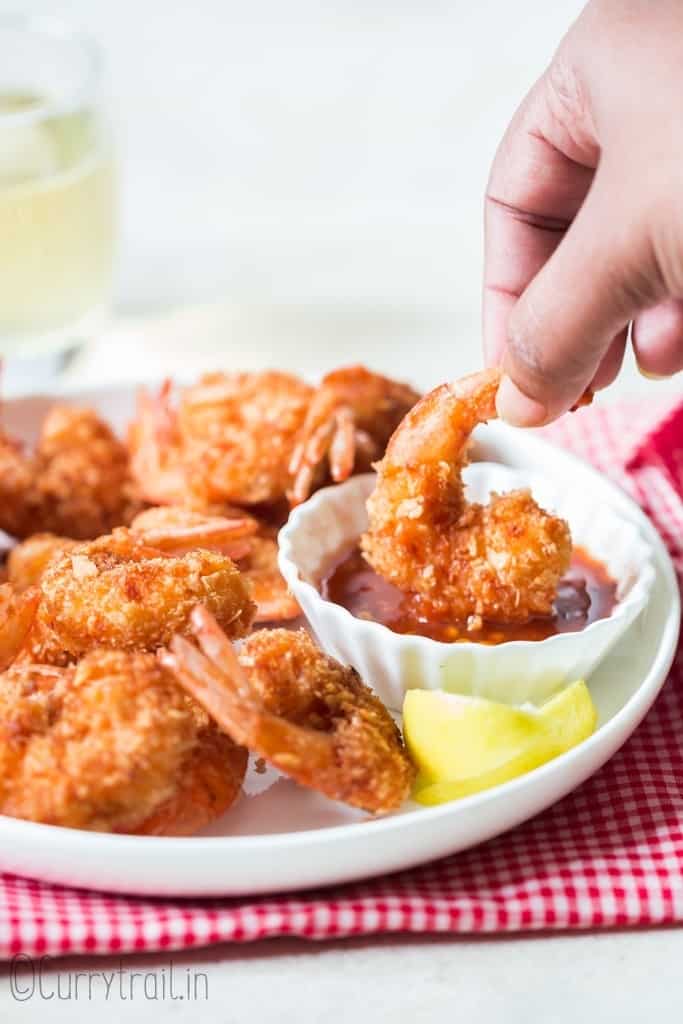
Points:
point(252, 544)
point(256, 438)
point(76, 484)
point(299, 709)
point(118, 592)
point(350, 419)
point(229, 441)
point(502, 561)
point(157, 454)
point(111, 745)
point(240, 430)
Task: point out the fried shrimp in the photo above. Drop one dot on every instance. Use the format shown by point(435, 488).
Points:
point(299, 709)
point(240, 430)
point(255, 438)
point(352, 416)
point(112, 744)
point(77, 483)
point(502, 561)
point(250, 543)
point(229, 441)
point(119, 592)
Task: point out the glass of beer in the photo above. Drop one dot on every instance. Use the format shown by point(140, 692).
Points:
point(56, 197)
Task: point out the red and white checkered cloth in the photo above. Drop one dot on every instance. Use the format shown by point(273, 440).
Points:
point(611, 853)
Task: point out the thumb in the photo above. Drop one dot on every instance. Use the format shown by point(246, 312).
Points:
point(600, 276)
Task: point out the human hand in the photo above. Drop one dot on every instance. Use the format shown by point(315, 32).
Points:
point(584, 214)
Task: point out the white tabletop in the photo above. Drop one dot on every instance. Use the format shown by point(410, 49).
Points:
point(308, 178)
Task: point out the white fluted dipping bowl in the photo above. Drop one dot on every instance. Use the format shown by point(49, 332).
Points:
point(515, 672)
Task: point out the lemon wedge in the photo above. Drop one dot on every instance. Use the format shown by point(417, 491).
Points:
point(463, 745)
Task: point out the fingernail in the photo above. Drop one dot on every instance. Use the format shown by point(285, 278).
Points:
point(650, 375)
point(518, 409)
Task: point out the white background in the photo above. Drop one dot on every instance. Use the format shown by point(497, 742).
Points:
point(310, 171)
point(311, 175)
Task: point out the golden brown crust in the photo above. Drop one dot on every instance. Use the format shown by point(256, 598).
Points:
point(96, 747)
point(209, 782)
point(501, 562)
point(76, 484)
point(111, 745)
point(292, 679)
point(117, 592)
point(239, 431)
point(299, 709)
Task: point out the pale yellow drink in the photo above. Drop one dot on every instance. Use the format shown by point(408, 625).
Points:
point(56, 224)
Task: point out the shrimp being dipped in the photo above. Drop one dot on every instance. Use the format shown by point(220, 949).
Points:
point(500, 562)
point(77, 483)
point(350, 419)
point(119, 592)
point(313, 719)
point(112, 745)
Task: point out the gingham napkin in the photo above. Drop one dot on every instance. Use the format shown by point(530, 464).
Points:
point(611, 853)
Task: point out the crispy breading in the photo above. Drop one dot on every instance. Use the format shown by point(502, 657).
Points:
point(112, 744)
point(118, 592)
point(77, 483)
point(311, 717)
point(502, 561)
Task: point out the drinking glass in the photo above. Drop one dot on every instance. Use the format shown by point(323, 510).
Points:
point(56, 197)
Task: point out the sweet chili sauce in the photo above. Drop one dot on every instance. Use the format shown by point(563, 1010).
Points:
point(585, 594)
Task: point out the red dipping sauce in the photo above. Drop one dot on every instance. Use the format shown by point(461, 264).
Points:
point(585, 594)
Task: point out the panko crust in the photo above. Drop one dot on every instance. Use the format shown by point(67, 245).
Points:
point(239, 431)
point(95, 747)
point(501, 562)
point(77, 483)
point(292, 679)
point(117, 592)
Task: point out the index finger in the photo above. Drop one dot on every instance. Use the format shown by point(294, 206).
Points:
point(541, 175)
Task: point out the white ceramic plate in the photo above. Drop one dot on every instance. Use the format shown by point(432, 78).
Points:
point(281, 837)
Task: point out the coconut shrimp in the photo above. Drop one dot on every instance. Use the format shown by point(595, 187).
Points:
point(501, 562)
point(312, 718)
point(229, 441)
point(119, 592)
point(113, 745)
point(76, 483)
point(350, 419)
point(250, 543)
